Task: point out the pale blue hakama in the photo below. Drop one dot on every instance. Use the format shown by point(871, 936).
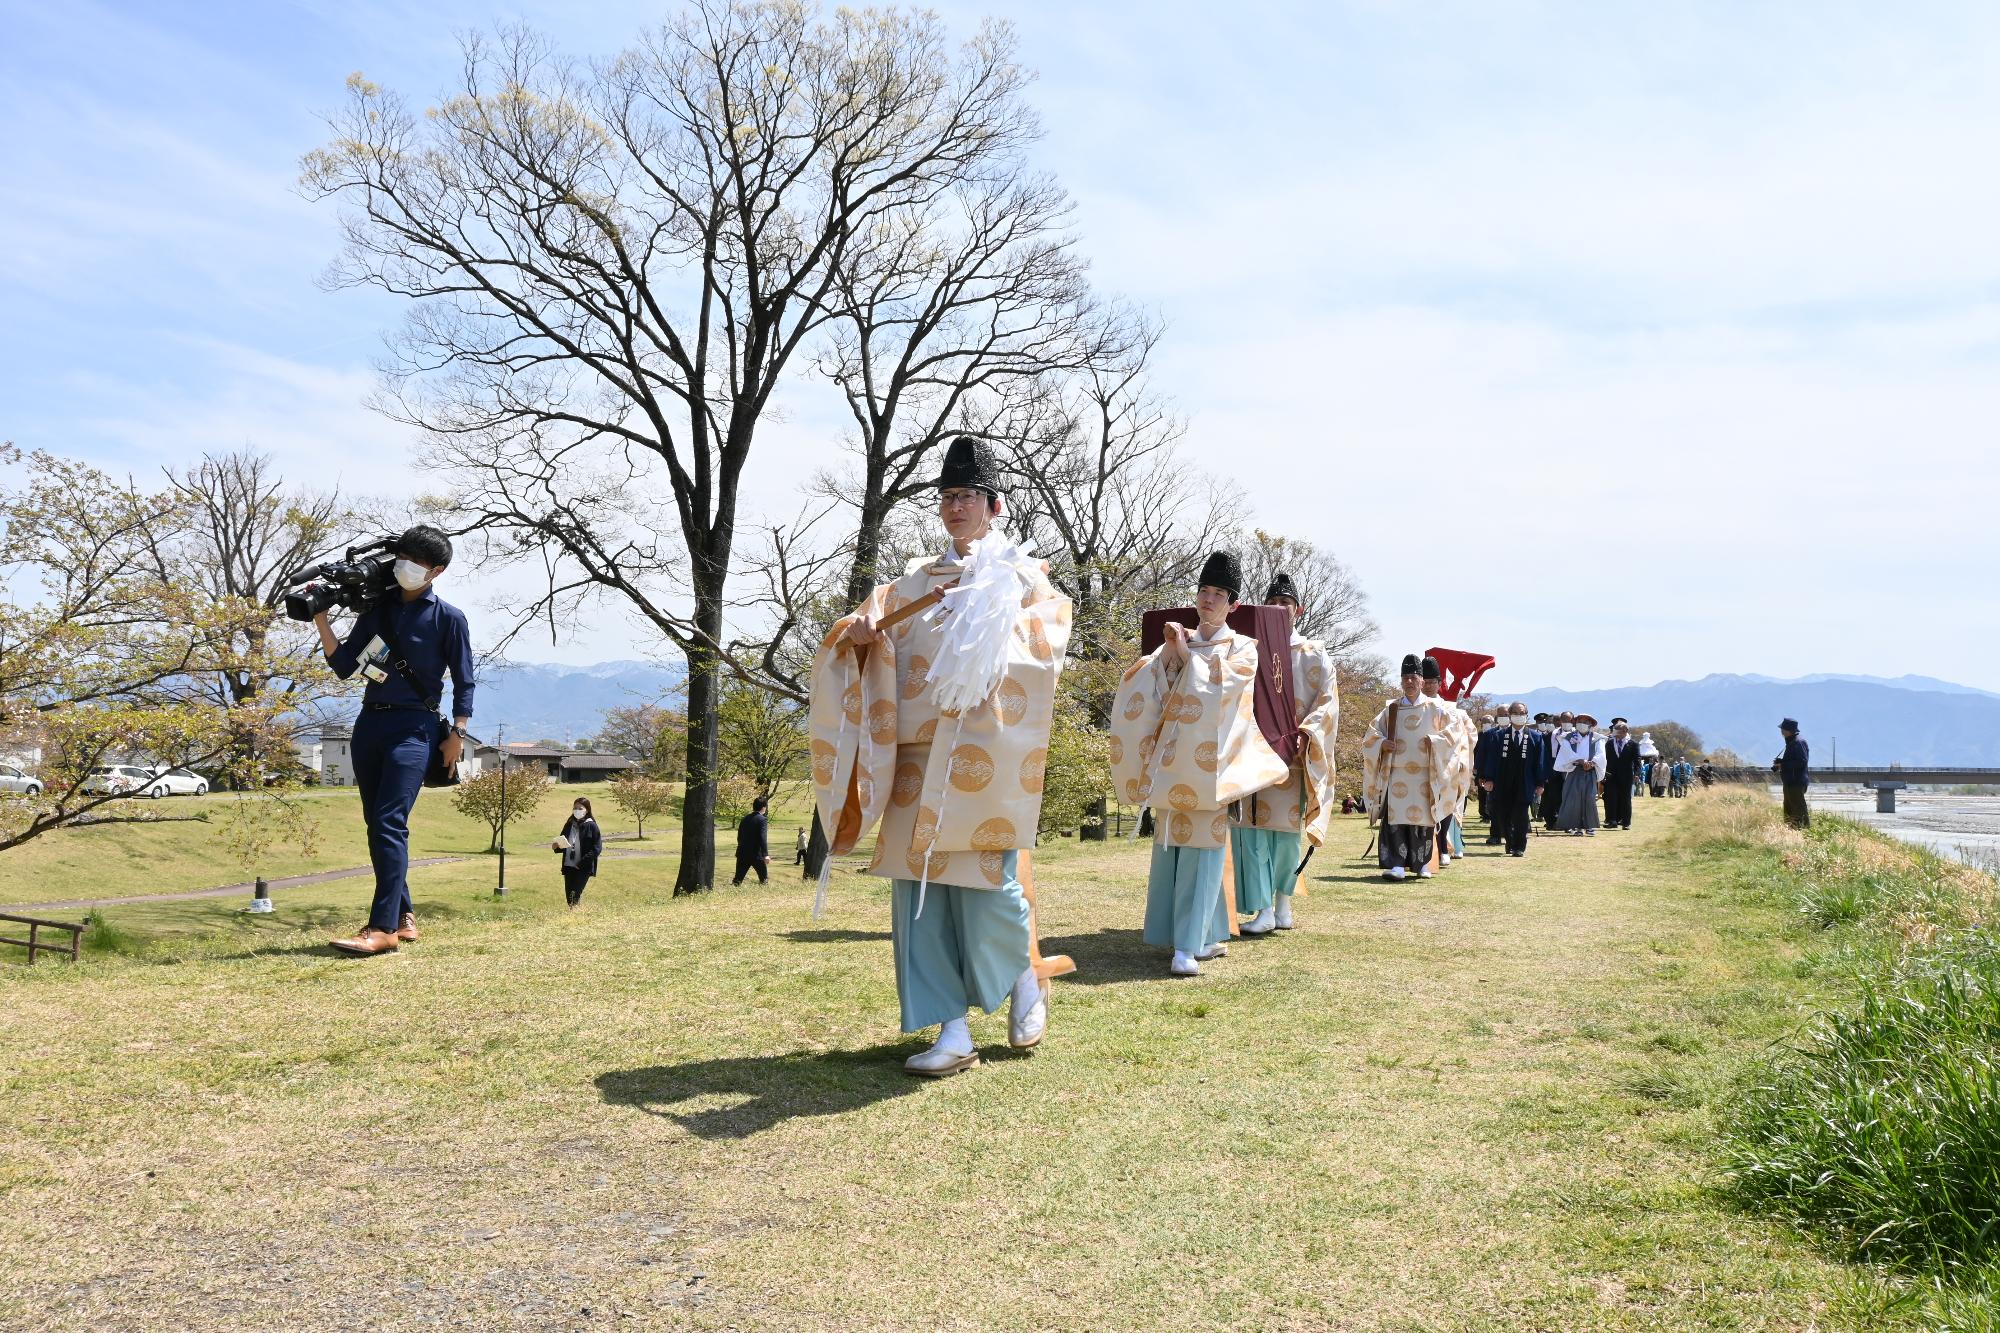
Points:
point(1265, 860)
point(1185, 909)
point(968, 948)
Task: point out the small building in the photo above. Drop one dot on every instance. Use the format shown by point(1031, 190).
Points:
point(588, 767)
point(557, 764)
point(336, 756)
point(519, 755)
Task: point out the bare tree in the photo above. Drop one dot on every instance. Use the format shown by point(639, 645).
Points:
point(1336, 607)
point(614, 266)
point(1103, 494)
point(938, 312)
point(241, 534)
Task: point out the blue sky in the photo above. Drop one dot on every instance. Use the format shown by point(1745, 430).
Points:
point(1622, 341)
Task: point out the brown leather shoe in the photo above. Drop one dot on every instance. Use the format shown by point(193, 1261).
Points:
point(407, 931)
point(366, 943)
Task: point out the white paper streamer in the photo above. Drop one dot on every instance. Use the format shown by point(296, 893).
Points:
point(972, 652)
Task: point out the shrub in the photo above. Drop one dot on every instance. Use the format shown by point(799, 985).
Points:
point(1881, 1128)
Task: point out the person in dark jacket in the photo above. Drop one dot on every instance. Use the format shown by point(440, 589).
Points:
point(1791, 769)
point(1513, 772)
point(579, 844)
point(1621, 764)
point(1489, 737)
point(753, 848)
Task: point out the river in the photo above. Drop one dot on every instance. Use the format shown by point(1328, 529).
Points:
point(1966, 827)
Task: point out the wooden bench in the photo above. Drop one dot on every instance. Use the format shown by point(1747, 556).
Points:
point(34, 945)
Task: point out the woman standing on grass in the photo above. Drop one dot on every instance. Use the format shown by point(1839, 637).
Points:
point(580, 842)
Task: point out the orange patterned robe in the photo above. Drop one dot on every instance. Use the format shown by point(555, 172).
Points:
point(965, 788)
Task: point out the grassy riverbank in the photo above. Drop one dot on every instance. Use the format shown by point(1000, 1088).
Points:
point(1492, 1101)
point(1876, 1127)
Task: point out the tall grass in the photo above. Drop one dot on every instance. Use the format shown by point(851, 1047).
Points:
point(1878, 1127)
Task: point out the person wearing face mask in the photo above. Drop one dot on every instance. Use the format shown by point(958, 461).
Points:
point(1407, 757)
point(580, 842)
point(1185, 741)
point(1580, 758)
point(1555, 727)
point(399, 722)
point(1621, 774)
point(1512, 769)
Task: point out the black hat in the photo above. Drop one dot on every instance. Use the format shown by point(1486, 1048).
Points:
point(1282, 586)
point(1788, 725)
point(1411, 665)
point(969, 462)
point(1430, 668)
point(1222, 570)
point(1544, 717)
point(1617, 721)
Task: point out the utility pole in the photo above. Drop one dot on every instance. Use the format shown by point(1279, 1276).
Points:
point(500, 889)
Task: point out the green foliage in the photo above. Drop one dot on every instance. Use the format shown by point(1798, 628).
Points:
point(734, 796)
point(1879, 1127)
point(1079, 767)
point(640, 797)
point(760, 736)
point(497, 800)
point(1675, 740)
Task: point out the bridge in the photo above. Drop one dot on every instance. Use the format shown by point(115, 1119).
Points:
point(1886, 782)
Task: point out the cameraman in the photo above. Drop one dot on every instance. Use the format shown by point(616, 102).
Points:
point(399, 721)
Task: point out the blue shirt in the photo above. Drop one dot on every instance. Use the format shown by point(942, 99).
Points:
point(433, 636)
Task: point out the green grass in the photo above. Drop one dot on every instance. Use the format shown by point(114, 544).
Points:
point(1486, 1102)
point(179, 846)
point(1877, 1125)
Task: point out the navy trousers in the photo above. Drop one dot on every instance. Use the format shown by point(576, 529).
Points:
point(391, 751)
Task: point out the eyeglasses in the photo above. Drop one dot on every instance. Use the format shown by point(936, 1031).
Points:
point(946, 499)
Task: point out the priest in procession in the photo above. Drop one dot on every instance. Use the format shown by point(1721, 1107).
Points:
point(937, 725)
point(1185, 741)
point(1406, 758)
point(1266, 833)
point(1451, 827)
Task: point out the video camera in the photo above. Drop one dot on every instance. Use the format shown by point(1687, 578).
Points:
point(354, 583)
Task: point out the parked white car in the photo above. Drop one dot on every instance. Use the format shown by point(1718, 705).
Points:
point(122, 779)
point(177, 782)
point(116, 779)
point(13, 779)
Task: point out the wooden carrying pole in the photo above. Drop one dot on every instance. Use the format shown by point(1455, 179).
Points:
point(1060, 965)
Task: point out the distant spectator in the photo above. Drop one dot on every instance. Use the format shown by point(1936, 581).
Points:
point(1791, 770)
point(1621, 767)
point(580, 842)
point(799, 846)
point(753, 848)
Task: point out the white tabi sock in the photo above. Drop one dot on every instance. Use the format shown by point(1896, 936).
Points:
point(1027, 990)
point(955, 1037)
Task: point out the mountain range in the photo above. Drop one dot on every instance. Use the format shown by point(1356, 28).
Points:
point(548, 701)
point(1867, 719)
point(1912, 720)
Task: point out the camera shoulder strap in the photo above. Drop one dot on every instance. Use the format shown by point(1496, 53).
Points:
point(386, 630)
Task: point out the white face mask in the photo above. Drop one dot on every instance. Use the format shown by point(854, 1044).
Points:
point(1519, 720)
point(579, 812)
point(1548, 726)
point(410, 575)
point(1586, 730)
